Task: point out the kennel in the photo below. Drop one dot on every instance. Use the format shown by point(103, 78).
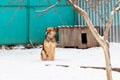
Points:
point(77, 36)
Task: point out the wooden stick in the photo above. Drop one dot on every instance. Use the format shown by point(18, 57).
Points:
point(113, 69)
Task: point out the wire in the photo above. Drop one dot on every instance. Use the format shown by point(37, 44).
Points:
point(12, 17)
point(52, 6)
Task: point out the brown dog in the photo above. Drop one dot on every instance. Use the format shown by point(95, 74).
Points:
point(49, 45)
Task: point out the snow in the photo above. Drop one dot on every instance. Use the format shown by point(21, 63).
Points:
point(19, 64)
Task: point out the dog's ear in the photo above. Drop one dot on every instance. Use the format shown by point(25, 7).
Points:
point(47, 31)
point(51, 29)
point(56, 29)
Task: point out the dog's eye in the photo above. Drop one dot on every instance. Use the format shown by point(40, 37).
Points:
point(49, 33)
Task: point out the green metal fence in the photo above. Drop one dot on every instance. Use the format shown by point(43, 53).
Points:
point(20, 24)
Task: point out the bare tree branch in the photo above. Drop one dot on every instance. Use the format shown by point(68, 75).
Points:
point(94, 5)
point(116, 5)
point(52, 6)
point(14, 14)
point(102, 42)
point(108, 25)
point(11, 2)
point(88, 21)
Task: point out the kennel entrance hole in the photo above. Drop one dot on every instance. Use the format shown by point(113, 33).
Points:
point(84, 38)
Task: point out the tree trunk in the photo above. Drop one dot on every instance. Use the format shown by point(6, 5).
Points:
point(104, 44)
point(107, 60)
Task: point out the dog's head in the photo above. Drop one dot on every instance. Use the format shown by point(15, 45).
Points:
point(51, 32)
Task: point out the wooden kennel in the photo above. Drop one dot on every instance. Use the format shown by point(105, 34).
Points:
point(78, 36)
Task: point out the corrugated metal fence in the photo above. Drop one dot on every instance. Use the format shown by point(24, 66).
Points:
point(19, 24)
point(100, 17)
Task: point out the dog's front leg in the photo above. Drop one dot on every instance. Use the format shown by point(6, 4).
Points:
point(48, 52)
point(52, 51)
point(43, 55)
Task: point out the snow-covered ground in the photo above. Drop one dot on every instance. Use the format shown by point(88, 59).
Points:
point(26, 64)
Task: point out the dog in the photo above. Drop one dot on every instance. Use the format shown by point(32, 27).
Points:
point(49, 45)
